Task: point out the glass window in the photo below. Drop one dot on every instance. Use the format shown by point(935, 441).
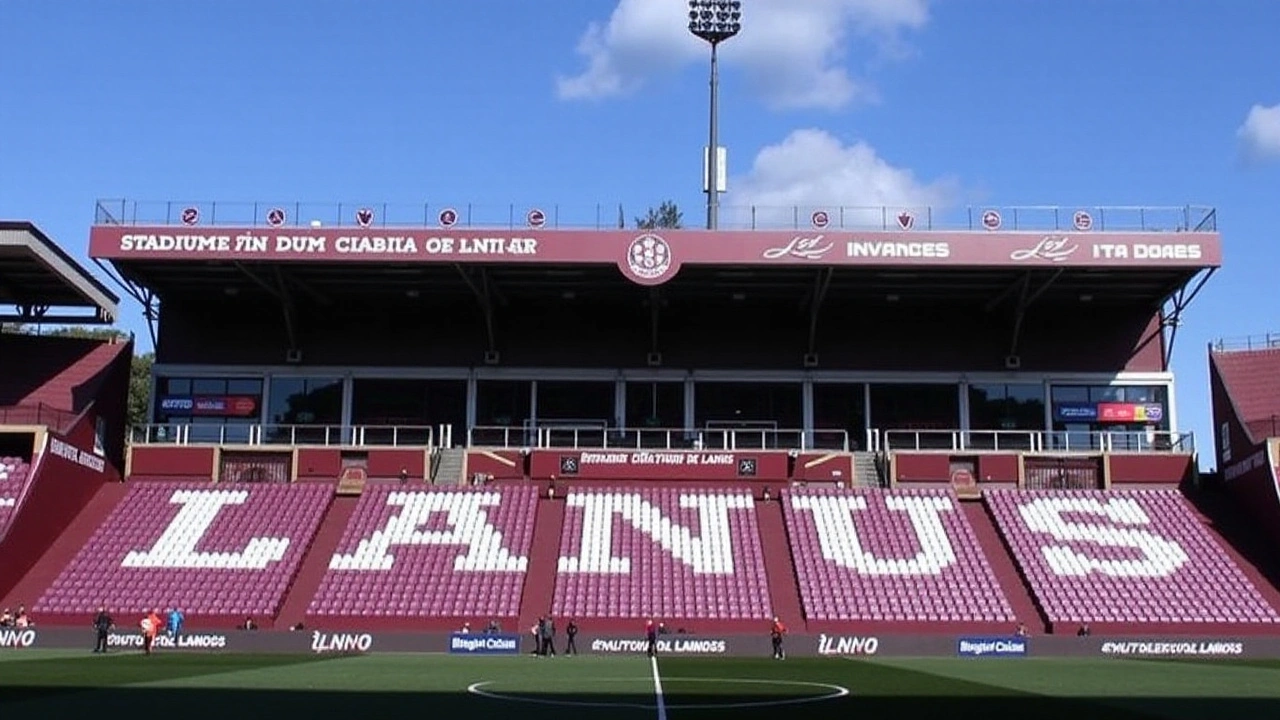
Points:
point(916, 406)
point(503, 403)
point(209, 402)
point(175, 386)
point(840, 406)
point(244, 386)
point(208, 386)
point(1006, 407)
point(1130, 415)
point(749, 414)
point(305, 401)
point(592, 402)
point(655, 404)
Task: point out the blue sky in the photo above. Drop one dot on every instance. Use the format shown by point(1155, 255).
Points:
point(1065, 102)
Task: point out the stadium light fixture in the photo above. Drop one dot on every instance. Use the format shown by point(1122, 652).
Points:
point(714, 21)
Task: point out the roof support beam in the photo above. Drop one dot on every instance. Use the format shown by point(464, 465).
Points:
point(145, 296)
point(655, 317)
point(1027, 296)
point(1179, 301)
point(821, 284)
point(482, 289)
point(287, 309)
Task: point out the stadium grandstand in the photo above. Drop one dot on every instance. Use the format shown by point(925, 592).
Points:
point(62, 399)
point(887, 420)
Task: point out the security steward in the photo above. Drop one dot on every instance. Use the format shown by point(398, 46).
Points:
point(102, 624)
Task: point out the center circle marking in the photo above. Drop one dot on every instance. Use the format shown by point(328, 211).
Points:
point(832, 692)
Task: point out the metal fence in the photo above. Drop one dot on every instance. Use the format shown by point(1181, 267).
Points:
point(657, 438)
point(1038, 441)
point(284, 435)
point(37, 414)
point(607, 216)
point(1251, 342)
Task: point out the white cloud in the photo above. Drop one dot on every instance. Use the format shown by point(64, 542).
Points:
point(1260, 133)
point(793, 51)
point(812, 169)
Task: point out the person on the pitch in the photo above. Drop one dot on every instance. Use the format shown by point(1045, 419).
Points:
point(776, 631)
point(548, 636)
point(151, 625)
point(102, 625)
point(174, 626)
point(571, 631)
point(651, 638)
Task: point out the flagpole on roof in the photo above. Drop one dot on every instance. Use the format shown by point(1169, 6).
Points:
point(622, 218)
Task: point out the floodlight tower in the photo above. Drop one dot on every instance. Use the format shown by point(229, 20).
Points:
point(714, 21)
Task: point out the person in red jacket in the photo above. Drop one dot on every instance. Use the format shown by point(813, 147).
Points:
point(776, 631)
point(150, 628)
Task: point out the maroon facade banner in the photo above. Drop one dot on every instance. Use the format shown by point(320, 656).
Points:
point(653, 257)
point(667, 465)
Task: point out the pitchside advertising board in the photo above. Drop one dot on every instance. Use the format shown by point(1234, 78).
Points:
point(992, 647)
point(489, 644)
point(827, 645)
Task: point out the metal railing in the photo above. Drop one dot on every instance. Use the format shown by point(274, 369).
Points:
point(611, 216)
point(1251, 342)
point(38, 414)
point(284, 435)
point(657, 438)
point(1038, 441)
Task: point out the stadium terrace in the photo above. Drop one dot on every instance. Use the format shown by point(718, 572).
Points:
point(897, 430)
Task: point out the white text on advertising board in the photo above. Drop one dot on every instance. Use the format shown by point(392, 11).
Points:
point(655, 458)
point(478, 643)
point(1171, 649)
point(341, 642)
point(886, 249)
point(1253, 462)
point(324, 245)
point(80, 457)
point(1147, 251)
point(206, 641)
point(15, 639)
point(672, 647)
point(836, 645)
point(997, 646)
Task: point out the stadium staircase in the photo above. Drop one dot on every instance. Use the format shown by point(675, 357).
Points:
point(1000, 556)
point(314, 564)
point(544, 557)
point(866, 470)
point(450, 463)
point(779, 567)
point(62, 550)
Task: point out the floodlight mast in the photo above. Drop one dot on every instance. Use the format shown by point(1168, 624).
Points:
point(714, 21)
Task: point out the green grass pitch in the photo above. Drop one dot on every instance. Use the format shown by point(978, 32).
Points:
point(48, 684)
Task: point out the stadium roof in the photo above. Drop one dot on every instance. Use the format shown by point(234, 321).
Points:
point(36, 276)
point(980, 256)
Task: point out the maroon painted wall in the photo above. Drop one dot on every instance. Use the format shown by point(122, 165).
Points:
point(319, 463)
point(615, 331)
point(1151, 468)
point(59, 491)
point(1247, 474)
point(481, 462)
point(936, 467)
point(820, 467)
point(658, 465)
point(387, 462)
point(169, 462)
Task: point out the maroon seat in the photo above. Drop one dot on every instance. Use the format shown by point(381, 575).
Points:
point(219, 550)
point(661, 553)
point(890, 556)
point(431, 554)
point(1124, 557)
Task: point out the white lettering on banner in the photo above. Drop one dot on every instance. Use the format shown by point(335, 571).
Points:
point(200, 641)
point(879, 249)
point(832, 645)
point(710, 553)
point(833, 519)
point(1253, 462)
point(176, 547)
point(1145, 251)
point(83, 458)
point(249, 243)
point(678, 646)
point(16, 639)
point(1161, 557)
point(654, 458)
point(340, 642)
point(1173, 648)
point(804, 248)
point(482, 642)
point(8, 502)
point(469, 527)
point(988, 647)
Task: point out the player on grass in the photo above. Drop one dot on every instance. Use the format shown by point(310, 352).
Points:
point(776, 631)
point(651, 638)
